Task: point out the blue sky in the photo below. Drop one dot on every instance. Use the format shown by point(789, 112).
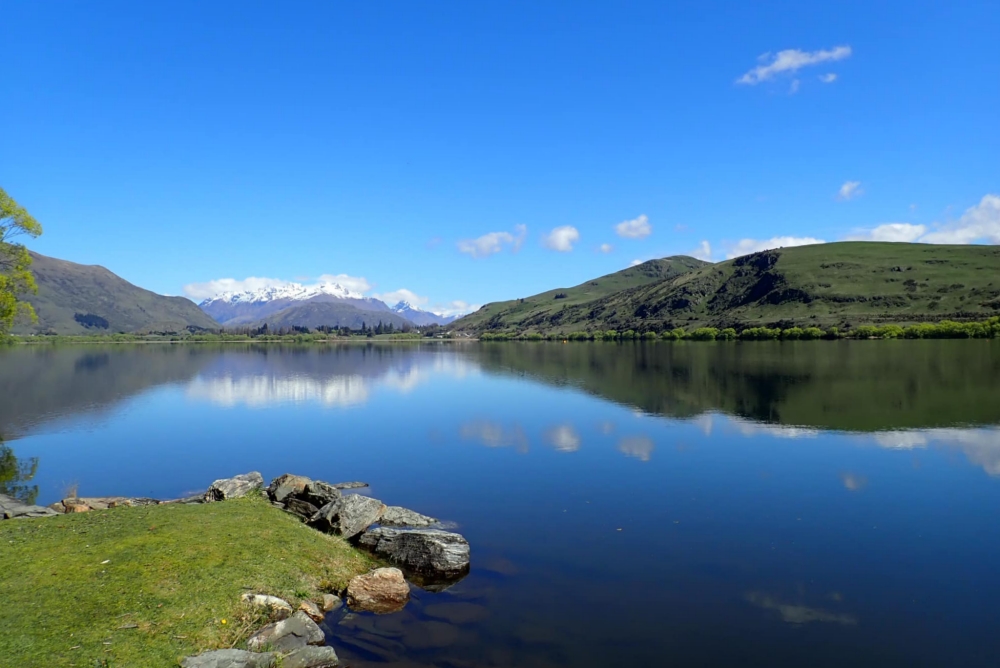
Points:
point(472, 152)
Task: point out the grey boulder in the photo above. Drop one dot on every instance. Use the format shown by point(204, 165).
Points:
point(287, 485)
point(235, 487)
point(289, 634)
point(11, 508)
point(310, 657)
point(320, 493)
point(397, 516)
point(301, 508)
point(349, 515)
point(230, 658)
point(424, 551)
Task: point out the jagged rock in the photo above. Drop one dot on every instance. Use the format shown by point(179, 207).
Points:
point(287, 635)
point(235, 487)
point(287, 485)
point(320, 493)
point(397, 516)
point(278, 607)
point(11, 508)
point(331, 602)
point(312, 610)
point(230, 658)
point(301, 508)
point(381, 591)
point(311, 657)
point(425, 551)
point(350, 485)
point(349, 515)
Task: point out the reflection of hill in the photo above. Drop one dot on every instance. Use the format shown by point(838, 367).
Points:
point(41, 383)
point(851, 385)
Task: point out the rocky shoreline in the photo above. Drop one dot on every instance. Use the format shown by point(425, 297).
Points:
point(425, 553)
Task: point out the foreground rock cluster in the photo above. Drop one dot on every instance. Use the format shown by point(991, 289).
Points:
point(431, 556)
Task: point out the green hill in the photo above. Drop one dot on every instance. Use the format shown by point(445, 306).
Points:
point(536, 312)
point(840, 284)
point(88, 299)
point(313, 314)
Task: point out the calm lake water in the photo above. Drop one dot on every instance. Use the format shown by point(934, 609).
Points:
point(762, 504)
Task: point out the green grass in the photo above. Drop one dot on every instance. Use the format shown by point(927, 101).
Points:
point(175, 571)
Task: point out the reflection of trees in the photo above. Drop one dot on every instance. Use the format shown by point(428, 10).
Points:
point(14, 473)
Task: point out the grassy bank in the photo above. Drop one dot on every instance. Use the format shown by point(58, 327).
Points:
point(171, 584)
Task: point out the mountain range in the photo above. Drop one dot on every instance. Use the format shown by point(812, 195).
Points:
point(838, 284)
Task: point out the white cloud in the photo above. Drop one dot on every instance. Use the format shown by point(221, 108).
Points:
point(747, 246)
point(904, 232)
point(703, 252)
point(563, 438)
point(637, 228)
point(635, 263)
point(606, 248)
point(790, 61)
point(640, 447)
point(402, 295)
point(794, 87)
point(494, 242)
point(978, 223)
point(828, 78)
point(850, 190)
point(199, 291)
point(562, 238)
point(353, 283)
point(456, 307)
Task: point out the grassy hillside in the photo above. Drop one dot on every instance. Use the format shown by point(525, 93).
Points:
point(315, 314)
point(535, 312)
point(842, 284)
point(87, 299)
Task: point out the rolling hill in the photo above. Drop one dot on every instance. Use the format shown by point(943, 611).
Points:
point(88, 299)
point(839, 284)
point(313, 314)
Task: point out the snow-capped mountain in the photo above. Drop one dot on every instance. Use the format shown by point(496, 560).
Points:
point(251, 306)
point(420, 317)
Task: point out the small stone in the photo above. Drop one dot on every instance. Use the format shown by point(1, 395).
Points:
point(235, 487)
point(278, 607)
point(287, 635)
point(382, 591)
point(349, 515)
point(310, 657)
point(397, 516)
point(312, 610)
point(230, 658)
point(287, 485)
point(301, 508)
point(331, 602)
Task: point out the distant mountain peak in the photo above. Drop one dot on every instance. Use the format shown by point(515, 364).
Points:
point(419, 316)
point(292, 291)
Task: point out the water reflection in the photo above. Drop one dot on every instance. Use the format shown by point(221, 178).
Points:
point(798, 614)
point(15, 474)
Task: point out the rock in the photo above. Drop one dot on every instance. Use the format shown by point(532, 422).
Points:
point(11, 508)
point(320, 493)
point(349, 515)
point(278, 607)
point(350, 485)
point(301, 508)
point(312, 610)
point(230, 658)
point(287, 485)
point(331, 602)
point(381, 591)
point(425, 551)
point(287, 635)
point(311, 657)
point(397, 516)
point(197, 498)
point(235, 487)
point(76, 507)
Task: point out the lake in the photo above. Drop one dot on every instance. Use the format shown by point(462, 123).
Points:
point(690, 504)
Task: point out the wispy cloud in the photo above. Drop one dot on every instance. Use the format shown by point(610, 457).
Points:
point(208, 289)
point(456, 307)
point(793, 88)
point(635, 263)
point(637, 228)
point(640, 447)
point(495, 435)
point(352, 283)
point(563, 438)
point(904, 232)
point(605, 248)
point(790, 61)
point(402, 295)
point(562, 238)
point(703, 251)
point(747, 246)
point(798, 614)
point(828, 78)
point(494, 242)
point(850, 190)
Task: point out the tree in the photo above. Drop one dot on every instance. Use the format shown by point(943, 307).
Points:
point(14, 473)
point(15, 276)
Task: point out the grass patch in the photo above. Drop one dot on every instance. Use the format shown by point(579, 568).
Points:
point(174, 573)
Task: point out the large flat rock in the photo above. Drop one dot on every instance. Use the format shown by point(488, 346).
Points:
point(230, 658)
point(425, 551)
point(348, 515)
point(11, 508)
